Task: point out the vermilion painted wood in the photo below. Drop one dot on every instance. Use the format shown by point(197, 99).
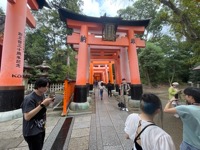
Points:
point(82, 58)
point(13, 40)
point(133, 60)
point(33, 4)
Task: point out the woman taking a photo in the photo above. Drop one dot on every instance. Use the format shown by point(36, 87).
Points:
point(190, 116)
point(141, 128)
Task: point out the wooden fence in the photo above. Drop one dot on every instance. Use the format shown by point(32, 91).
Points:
point(52, 88)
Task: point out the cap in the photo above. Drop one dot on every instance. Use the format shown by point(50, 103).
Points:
point(175, 83)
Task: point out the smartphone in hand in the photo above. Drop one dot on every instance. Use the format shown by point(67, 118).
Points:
point(52, 95)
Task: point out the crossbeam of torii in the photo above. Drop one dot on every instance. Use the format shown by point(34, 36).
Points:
point(18, 14)
point(113, 32)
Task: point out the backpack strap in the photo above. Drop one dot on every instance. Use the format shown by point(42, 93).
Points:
point(138, 147)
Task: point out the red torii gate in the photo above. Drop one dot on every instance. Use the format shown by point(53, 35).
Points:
point(12, 51)
point(85, 31)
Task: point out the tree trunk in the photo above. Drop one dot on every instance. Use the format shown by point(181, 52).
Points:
point(188, 31)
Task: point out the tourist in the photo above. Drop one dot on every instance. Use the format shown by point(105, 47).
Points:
point(142, 130)
point(101, 88)
point(34, 115)
point(109, 87)
point(190, 116)
point(174, 93)
point(124, 89)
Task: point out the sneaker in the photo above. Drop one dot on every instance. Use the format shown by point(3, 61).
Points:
point(126, 109)
point(123, 108)
point(176, 115)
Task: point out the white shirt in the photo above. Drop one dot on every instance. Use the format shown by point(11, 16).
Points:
point(152, 138)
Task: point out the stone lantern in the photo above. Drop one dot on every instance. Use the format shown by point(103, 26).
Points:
point(43, 69)
point(26, 74)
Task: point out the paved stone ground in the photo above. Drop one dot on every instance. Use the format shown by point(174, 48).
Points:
point(103, 129)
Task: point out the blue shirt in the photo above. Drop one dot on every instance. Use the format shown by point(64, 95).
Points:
point(190, 116)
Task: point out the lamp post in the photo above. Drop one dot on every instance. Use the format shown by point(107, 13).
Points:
point(44, 68)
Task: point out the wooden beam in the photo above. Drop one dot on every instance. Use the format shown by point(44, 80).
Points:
point(73, 39)
point(137, 30)
point(92, 41)
point(103, 57)
point(77, 24)
point(30, 20)
point(140, 43)
point(33, 4)
point(12, 1)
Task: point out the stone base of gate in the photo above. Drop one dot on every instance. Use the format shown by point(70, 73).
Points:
point(80, 108)
point(134, 103)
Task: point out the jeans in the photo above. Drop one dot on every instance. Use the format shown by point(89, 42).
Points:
point(35, 142)
point(186, 146)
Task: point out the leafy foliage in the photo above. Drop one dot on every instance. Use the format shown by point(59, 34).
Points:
point(174, 28)
point(48, 41)
point(151, 65)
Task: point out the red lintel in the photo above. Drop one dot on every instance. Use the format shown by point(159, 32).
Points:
point(103, 57)
point(123, 41)
point(33, 4)
point(73, 39)
point(12, 1)
point(101, 62)
point(140, 43)
point(98, 41)
point(74, 24)
point(30, 19)
point(137, 30)
point(91, 25)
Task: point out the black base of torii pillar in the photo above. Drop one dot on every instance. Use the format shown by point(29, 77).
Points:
point(136, 91)
point(11, 97)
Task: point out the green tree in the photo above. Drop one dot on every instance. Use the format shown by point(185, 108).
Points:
point(36, 47)
point(177, 59)
point(183, 18)
point(151, 63)
point(141, 10)
point(1, 11)
point(52, 39)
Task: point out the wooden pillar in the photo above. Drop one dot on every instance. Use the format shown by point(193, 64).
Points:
point(111, 75)
point(124, 64)
point(80, 91)
point(106, 71)
point(117, 73)
point(91, 74)
point(87, 70)
point(11, 71)
point(136, 86)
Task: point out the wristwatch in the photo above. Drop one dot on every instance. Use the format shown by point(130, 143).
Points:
point(42, 105)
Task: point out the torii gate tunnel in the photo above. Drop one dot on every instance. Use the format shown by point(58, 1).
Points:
point(108, 42)
point(18, 14)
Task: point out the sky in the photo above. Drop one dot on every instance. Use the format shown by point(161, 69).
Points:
point(95, 8)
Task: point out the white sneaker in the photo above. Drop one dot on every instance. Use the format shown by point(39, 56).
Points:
point(176, 115)
point(126, 109)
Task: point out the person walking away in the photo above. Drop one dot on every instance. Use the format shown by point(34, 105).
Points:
point(109, 87)
point(99, 84)
point(142, 130)
point(174, 93)
point(190, 116)
point(124, 89)
point(101, 87)
point(34, 114)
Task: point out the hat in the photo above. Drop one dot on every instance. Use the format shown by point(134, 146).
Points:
point(175, 83)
